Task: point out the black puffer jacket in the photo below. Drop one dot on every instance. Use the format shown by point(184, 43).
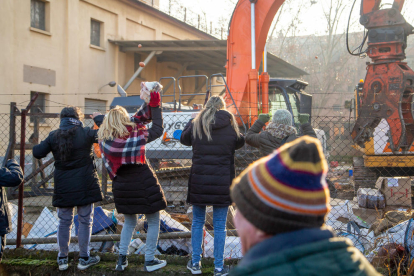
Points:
point(136, 188)
point(76, 179)
point(213, 169)
point(10, 176)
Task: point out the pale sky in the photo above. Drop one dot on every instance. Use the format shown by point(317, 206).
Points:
point(313, 21)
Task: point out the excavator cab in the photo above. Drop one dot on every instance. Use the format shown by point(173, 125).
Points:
point(289, 94)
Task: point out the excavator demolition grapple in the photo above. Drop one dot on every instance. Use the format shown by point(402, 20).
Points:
point(385, 97)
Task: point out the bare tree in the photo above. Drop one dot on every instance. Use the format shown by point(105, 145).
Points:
point(323, 55)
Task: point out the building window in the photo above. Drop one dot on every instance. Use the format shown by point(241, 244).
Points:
point(39, 106)
point(96, 33)
point(38, 14)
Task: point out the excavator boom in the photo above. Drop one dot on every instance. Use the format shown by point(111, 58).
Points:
point(242, 73)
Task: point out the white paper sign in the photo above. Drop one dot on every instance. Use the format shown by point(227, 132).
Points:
point(392, 182)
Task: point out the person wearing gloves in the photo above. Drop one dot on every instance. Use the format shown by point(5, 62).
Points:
point(136, 190)
point(282, 203)
point(10, 176)
point(214, 136)
point(76, 181)
point(281, 130)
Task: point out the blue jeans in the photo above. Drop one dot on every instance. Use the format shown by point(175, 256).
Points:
point(152, 234)
point(219, 223)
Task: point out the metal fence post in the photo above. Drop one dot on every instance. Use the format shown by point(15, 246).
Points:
point(21, 187)
point(22, 159)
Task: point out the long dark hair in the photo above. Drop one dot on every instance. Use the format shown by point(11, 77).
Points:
point(65, 137)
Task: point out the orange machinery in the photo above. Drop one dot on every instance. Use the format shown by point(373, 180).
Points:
point(384, 128)
point(251, 19)
point(388, 87)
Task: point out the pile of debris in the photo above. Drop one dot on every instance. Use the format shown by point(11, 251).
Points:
point(379, 221)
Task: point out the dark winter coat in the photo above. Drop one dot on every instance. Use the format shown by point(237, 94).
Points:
point(266, 143)
point(76, 179)
point(10, 176)
point(304, 252)
point(136, 188)
point(212, 171)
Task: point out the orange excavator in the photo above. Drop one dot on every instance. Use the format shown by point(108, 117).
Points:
point(388, 87)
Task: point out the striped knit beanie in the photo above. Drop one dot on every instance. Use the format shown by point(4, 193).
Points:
point(285, 191)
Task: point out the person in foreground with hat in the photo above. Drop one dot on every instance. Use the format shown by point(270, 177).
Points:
point(281, 130)
point(282, 201)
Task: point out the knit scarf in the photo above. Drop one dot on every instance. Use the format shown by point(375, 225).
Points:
point(129, 149)
point(280, 131)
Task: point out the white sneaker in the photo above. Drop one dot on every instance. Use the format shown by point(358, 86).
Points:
point(154, 265)
point(194, 268)
point(84, 264)
point(63, 263)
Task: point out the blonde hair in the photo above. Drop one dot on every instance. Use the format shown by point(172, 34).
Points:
point(115, 123)
point(206, 118)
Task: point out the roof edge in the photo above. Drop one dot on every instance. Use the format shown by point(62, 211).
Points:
point(174, 20)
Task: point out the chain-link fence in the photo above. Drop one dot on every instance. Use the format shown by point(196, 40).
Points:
point(370, 189)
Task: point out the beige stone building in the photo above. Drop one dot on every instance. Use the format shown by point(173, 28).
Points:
point(68, 50)
point(62, 49)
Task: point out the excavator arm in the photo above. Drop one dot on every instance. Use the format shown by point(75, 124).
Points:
point(244, 57)
point(389, 84)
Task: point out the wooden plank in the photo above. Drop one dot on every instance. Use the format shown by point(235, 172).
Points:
point(116, 237)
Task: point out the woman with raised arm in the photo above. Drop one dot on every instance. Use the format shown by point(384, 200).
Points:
point(136, 189)
point(214, 136)
point(76, 181)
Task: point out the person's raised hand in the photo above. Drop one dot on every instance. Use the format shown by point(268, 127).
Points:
point(303, 118)
point(155, 99)
point(264, 118)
